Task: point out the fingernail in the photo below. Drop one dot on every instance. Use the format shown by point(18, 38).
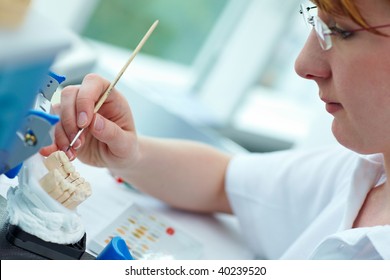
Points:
point(77, 144)
point(82, 119)
point(99, 124)
point(68, 153)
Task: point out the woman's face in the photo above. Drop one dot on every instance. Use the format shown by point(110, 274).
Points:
point(354, 79)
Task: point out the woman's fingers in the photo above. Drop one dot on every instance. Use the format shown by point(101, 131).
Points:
point(111, 134)
point(89, 93)
point(68, 116)
point(112, 126)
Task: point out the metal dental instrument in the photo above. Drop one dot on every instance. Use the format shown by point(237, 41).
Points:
point(113, 83)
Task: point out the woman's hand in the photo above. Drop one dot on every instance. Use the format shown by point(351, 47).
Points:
point(109, 138)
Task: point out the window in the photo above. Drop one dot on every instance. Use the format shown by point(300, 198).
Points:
point(256, 96)
point(183, 28)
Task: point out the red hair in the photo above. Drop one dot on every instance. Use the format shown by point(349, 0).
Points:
point(344, 8)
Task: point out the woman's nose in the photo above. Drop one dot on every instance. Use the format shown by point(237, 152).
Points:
point(311, 62)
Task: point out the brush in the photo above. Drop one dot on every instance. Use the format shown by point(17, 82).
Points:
point(105, 95)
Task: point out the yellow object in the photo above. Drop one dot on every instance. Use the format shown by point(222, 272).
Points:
point(13, 12)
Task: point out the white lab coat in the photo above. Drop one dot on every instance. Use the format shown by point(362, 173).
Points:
point(301, 204)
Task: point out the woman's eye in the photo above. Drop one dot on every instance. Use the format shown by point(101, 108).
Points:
point(343, 34)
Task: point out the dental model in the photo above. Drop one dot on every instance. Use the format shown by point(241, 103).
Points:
point(45, 201)
point(63, 183)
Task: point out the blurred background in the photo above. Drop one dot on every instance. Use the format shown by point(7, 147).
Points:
point(225, 65)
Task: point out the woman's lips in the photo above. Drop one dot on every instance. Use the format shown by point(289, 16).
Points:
point(332, 107)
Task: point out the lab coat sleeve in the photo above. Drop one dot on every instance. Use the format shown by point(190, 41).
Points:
point(277, 195)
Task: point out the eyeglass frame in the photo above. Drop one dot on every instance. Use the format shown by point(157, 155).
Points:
point(323, 31)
